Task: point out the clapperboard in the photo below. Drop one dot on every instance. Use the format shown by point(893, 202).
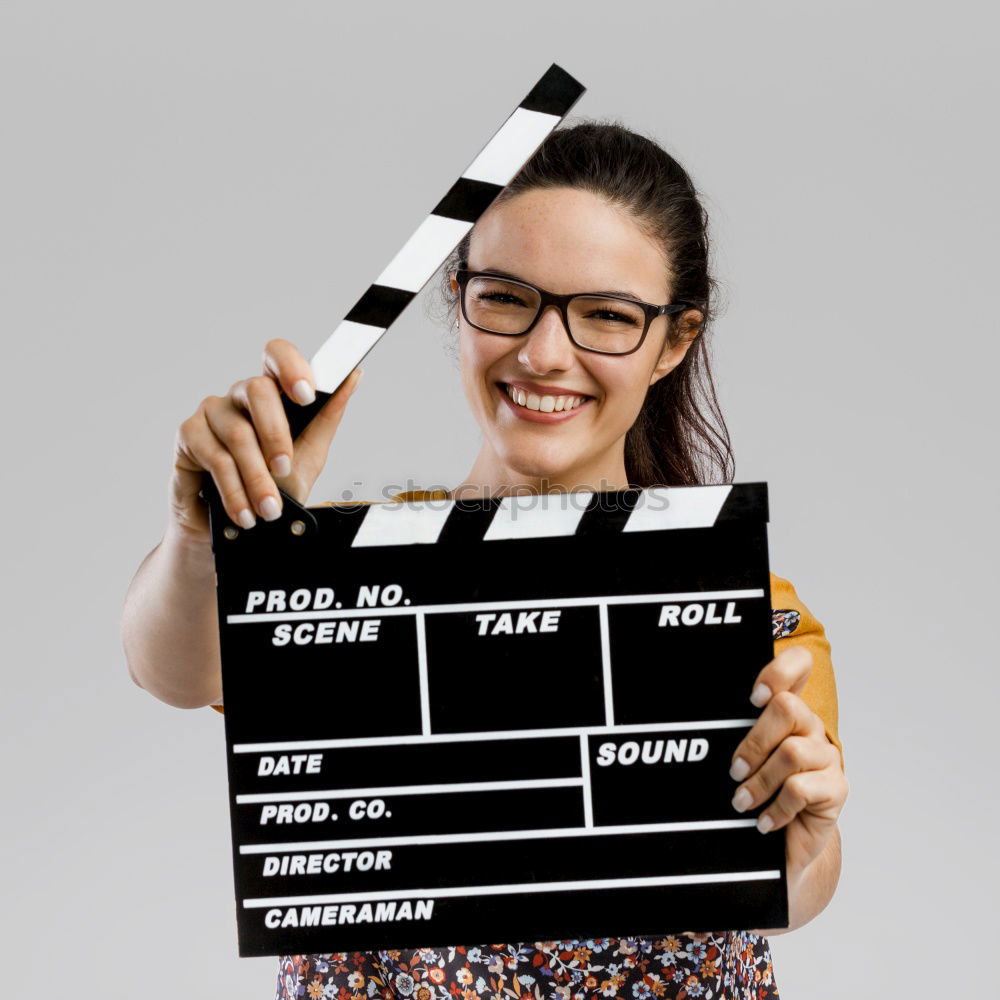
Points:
point(491, 720)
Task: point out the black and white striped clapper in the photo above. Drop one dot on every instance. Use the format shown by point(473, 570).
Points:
point(458, 721)
point(524, 130)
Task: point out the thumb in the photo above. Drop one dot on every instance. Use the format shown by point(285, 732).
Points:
point(313, 444)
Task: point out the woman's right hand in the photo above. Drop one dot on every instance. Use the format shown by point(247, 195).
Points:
point(243, 440)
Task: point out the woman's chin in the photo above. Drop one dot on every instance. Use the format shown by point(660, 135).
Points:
point(539, 464)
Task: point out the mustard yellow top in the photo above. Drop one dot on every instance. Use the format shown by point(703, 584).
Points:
point(820, 692)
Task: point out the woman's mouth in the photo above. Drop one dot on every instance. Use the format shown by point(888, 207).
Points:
point(542, 408)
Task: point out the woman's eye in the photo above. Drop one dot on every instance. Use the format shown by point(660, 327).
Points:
point(501, 298)
point(609, 316)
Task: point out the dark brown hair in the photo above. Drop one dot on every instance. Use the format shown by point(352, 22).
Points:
point(679, 437)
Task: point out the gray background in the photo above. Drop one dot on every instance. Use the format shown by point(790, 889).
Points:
point(183, 181)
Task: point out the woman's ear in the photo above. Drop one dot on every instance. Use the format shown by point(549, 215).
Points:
point(687, 332)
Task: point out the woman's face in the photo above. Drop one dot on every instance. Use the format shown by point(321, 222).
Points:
point(564, 240)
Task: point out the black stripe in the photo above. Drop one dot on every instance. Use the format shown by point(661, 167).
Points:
point(468, 521)
point(555, 93)
point(608, 512)
point(746, 502)
point(380, 305)
point(467, 200)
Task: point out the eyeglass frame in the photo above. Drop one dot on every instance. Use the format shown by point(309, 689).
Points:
point(463, 276)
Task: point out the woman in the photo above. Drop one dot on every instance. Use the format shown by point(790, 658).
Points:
point(593, 393)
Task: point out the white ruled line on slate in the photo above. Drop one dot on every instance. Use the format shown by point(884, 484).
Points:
point(467, 606)
point(454, 786)
point(509, 890)
point(500, 734)
point(474, 838)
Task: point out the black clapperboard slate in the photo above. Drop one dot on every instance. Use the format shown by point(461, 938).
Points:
point(495, 720)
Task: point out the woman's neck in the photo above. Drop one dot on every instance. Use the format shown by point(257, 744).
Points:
point(490, 477)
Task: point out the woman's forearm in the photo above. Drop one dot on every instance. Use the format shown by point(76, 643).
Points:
point(169, 626)
point(810, 890)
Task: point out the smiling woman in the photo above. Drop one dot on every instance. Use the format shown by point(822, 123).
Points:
point(557, 386)
point(582, 301)
point(607, 216)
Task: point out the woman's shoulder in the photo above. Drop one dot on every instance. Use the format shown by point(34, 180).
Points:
point(414, 496)
point(407, 496)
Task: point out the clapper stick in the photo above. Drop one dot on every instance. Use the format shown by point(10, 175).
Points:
point(511, 146)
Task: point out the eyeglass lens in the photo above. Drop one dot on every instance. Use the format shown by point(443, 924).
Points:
point(597, 322)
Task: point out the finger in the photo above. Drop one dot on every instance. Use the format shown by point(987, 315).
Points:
point(198, 451)
point(238, 436)
point(793, 755)
point(788, 671)
point(786, 715)
point(284, 363)
point(260, 399)
point(313, 444)
point(820, 792)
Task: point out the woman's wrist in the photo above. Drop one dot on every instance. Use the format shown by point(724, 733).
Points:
point(191, 548)
point(811, 888)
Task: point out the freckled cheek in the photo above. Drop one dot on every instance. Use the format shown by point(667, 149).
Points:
point(616, 389)
point(622, 397)
point(477, 356)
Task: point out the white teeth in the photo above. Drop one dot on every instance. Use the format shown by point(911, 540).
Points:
point(544, 404)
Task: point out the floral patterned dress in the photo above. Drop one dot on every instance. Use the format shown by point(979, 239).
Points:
point(731, 964)
point(727, 965)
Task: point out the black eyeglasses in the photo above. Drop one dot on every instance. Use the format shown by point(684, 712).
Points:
point(606, 324)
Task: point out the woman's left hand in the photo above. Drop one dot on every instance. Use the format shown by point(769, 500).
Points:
point(787, 749)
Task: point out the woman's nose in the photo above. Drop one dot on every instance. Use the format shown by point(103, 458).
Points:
point(548, 346)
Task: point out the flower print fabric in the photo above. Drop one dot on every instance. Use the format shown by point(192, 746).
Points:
point(735, 965)
point(784, 622)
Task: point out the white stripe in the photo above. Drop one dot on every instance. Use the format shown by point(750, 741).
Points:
point(424, 839)
point(423, 252)
point(425, 696)
point(505, 890)
point(387, 790)
point(542, 602)
point(662, 507)
point(401, 523)
point(502, 734)
point(588, 803)
point(342, 353)
point(541, 516)
point(519, 136)
point(609, 693)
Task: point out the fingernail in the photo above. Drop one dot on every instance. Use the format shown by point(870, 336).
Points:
point(359, 377)
point(245, 518)
point(765, 823)
point(742, 800)
point(270, 508)
point(739, 770)
point(303, 392)
point(281, 466)
point(761, 695)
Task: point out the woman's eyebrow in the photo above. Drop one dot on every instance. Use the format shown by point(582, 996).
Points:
point(597, 291)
